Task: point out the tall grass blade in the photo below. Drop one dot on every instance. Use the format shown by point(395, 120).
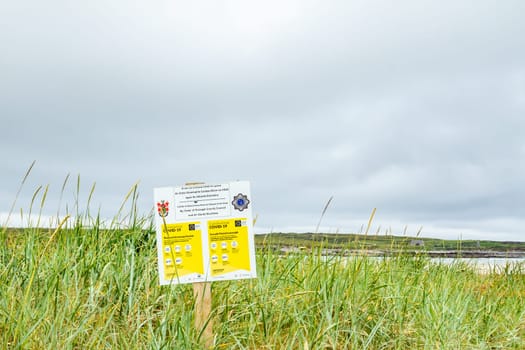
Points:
point(322, 214)
point(42, 202)
point(132, 190)
point(370, 221)
point(61, 196)
point(35, 194)
point(18, 194)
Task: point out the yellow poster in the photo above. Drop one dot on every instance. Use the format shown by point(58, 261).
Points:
point(229, 246)
point(182, 250)
point(204, 233)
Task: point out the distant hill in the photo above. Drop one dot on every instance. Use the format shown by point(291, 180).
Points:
point(386, 244)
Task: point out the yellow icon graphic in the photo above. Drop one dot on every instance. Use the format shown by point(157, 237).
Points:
point(232, 237)
point(182, 250)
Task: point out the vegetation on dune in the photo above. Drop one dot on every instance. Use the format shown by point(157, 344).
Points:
point(97, 288)
point(84, 285)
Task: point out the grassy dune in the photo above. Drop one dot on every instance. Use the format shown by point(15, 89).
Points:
point(97, 288)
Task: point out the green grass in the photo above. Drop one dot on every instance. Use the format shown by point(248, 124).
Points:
point(87, 286)
point(97, 288)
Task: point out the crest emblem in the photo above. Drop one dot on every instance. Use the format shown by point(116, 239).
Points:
point(163, 208)
point(240, 202)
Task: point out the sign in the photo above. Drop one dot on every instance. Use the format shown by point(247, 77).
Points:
point(204, 233)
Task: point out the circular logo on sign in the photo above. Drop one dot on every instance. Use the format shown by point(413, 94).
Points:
point(240, 202)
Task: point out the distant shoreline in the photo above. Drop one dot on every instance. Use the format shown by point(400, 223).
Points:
point(377, 245)
point(468, 254)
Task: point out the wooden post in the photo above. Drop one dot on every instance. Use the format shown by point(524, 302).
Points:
point(202, 296)
point(203, 322)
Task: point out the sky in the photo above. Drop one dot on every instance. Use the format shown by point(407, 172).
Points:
point(415, 107)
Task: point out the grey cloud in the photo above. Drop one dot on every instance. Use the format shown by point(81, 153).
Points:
point(415, 108)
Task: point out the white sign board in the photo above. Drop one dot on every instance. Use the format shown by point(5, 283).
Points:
point(204, 233)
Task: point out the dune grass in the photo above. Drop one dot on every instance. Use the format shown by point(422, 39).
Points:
point(97, 288)
point(87, 285)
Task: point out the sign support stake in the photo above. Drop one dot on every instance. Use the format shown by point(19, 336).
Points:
point(203, 321)
point(202, 297)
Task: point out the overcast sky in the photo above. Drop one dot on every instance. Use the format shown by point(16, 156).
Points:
point(416, 108)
